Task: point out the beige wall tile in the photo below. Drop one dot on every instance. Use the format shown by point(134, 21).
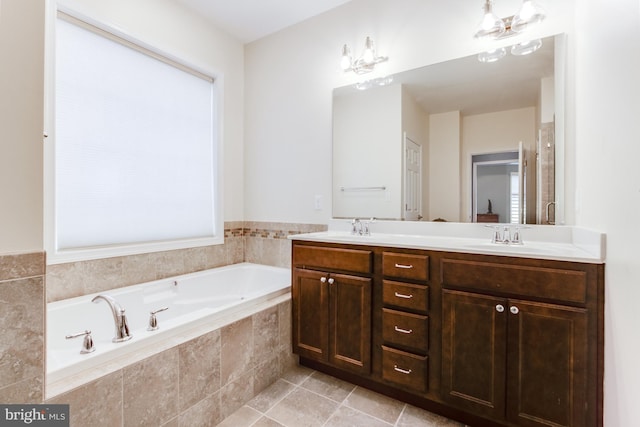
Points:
point(98, 403)
point(22, 326)
point(17, 266)
point(26, 391)
point(195, 259)
point(65, 281)
point(265, 373)
point(137, 269)
point(199, 368)
point(236, 357)
point(236, 393)
point(284, 326)
point(266, 334)
point(151, 390)
point(103, 274)
point(206, 413)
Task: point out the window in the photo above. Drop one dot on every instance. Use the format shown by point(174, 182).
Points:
point(514, 207)
point(135, 160)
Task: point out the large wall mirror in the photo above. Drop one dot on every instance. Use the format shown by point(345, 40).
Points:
point(459, 141)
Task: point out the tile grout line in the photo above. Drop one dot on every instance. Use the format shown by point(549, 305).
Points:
point(404, 408)
point(264, 414)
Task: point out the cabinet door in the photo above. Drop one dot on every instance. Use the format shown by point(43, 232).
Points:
point(474, 331)
point(350, 322)
point(547, 365)
point(310, 302)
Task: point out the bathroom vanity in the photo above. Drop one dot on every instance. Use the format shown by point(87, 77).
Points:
point(483, 334)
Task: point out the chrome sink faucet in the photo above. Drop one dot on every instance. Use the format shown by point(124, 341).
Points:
point(506, 235)
point(119, 318)
point(361, 228)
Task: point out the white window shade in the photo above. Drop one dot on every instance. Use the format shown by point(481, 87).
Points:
point(135, 154)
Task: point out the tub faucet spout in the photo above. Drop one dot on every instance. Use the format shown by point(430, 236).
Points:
point(119, 318)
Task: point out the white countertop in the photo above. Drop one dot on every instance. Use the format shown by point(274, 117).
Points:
point(559, 243)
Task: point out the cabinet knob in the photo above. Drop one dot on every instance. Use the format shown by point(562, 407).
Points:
point(514, 309)
point(323, 280)
point(331, 280)
point(500, 308)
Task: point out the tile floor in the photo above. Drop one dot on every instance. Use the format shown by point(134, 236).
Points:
point(307, 398)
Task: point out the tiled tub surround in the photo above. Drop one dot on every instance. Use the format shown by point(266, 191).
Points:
point(196, 383)
point(145, 392)
point(257, 242)
point(196, 303)
point(22, 311)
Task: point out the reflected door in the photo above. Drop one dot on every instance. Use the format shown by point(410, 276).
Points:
point(498, 187)
point(412, 180)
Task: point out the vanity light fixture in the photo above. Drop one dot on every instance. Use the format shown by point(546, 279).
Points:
point(494, 28)
point(366, 63)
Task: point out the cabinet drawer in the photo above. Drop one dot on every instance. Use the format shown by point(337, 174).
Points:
point(406, 295)
point(354, 260)
point(404, 368)
point(405, 329)
point(405, 266)
point(549, 283)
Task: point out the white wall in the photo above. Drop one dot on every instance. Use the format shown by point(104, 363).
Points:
point(21, 100)
point(368, 153)
point(444, 163)
point(290, 75)
point(166, 25)
point(606, 50)
point(415, 122)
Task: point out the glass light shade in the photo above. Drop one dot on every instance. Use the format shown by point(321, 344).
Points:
point(530, 14)
point(491, 25)
point(363, 85)
point(492, 55)
point(345, 62)
point(368, 56)
point(526, 47)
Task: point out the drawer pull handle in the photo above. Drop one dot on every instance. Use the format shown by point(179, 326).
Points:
point(402, 371)
point(403, 296)
point(404, 331)
point(404, 266)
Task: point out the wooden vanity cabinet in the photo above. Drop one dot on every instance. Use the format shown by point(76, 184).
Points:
point(485, 340)
point(331, 309)
point(510, 357)
point(405, 320)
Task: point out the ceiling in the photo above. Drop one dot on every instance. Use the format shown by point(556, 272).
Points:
point(249, 20)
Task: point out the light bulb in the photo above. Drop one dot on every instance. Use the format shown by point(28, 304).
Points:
point(491, 25)
point(530, 13)
point(368, 56)
point(345, 62)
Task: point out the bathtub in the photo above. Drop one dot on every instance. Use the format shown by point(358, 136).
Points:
point(197, 303)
